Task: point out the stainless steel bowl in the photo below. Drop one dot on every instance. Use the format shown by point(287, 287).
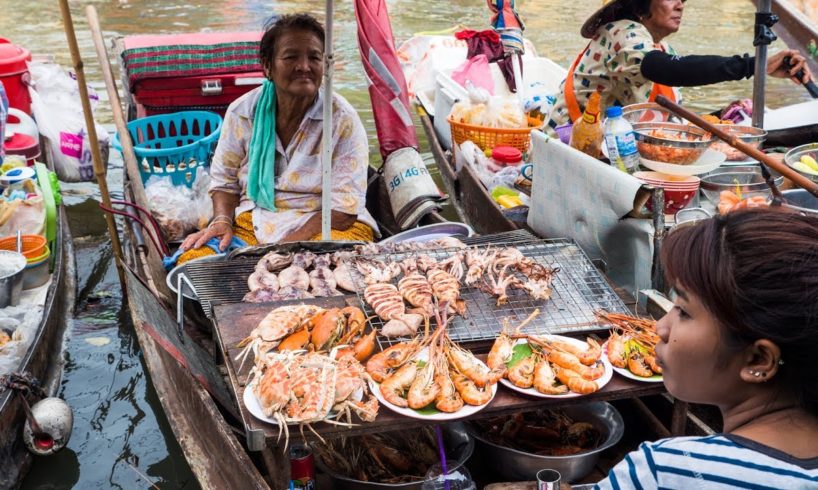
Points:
point(522, 466)
point(12, 268)
point(459, 447)
point(801, 200)
point(747, 180)
point(680, 144)
point(754, 137)
point(793, 156)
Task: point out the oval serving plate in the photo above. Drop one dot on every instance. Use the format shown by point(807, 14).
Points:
point(605, 379)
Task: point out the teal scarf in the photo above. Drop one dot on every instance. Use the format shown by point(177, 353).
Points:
point(262, 154)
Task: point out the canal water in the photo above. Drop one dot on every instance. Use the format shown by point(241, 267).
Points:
point(121, 438)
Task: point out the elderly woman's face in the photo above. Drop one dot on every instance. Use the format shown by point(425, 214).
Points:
point(665, 17)
point(298, 64)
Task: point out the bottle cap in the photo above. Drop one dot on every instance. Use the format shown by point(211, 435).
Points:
point(613, 111)
point(506, 154)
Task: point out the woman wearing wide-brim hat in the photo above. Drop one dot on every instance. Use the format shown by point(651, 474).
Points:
point(628, 61)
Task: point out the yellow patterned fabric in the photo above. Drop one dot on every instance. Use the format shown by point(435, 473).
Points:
point(360, 232)
point(242, 228)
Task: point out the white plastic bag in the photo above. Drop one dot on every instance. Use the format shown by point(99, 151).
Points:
point(57, 107)
point(179, 209)
point(505, 177)
point(470, 154)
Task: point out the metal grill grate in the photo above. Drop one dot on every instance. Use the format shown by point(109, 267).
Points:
point(578, 290)
point(220, 281)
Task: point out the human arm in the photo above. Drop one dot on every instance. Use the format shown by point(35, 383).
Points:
point(696, 70)
point(637, 470)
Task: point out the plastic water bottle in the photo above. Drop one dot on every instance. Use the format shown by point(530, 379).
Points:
point(620, 141)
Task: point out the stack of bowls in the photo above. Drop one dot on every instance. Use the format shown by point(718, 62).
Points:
point(37, 270)
point(752, 136)
point(679, 190)
point(679, 144)
point(648, 112)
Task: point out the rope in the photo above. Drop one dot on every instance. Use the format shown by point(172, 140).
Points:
point(24, 383)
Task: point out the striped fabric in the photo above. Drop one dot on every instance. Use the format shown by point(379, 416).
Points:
point(190, 60)
point(718, 462)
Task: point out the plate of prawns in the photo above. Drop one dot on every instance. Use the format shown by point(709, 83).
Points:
point(431, 378)
point(631, 348)
point(549, 366)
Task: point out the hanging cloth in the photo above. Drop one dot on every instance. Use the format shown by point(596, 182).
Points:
point(262, 154)
point(574, 112)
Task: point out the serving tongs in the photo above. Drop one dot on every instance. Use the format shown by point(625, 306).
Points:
point(734, 141)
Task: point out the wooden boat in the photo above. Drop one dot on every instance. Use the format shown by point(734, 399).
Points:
point(43, 357)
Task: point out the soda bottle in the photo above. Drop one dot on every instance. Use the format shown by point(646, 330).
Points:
point(620, 141)
point(587, 133)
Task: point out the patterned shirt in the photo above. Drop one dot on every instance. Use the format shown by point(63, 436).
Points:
point(718, 462)
point(298, 167)
point(611, 66)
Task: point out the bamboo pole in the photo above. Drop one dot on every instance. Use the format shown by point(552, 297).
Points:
point(736, 143)
point(326, 141)
point(100, 171)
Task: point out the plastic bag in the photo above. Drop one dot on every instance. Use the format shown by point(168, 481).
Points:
point(57, 107)
point(179, 210)
point(505, 177)
point(489, 111)
point(26, 215)
point(470, 154)
point(475, 71)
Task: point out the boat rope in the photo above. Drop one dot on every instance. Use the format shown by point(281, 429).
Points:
point(24, 384)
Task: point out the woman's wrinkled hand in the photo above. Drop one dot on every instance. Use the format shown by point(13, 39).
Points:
point(219, 229)
point(777, 68)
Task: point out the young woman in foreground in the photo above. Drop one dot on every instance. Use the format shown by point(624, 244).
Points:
point(743, 336)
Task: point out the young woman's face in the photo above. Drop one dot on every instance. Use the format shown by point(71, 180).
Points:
point(697, 365)
point(665, 17)
point(298, 64)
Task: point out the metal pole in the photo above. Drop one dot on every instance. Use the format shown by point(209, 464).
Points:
point(99, 169)
point(326, 142)
point(763, 37)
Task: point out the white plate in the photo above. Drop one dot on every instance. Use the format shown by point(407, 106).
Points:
point(656, 378)
point(254, 407)
point(533, 392)
point(709, 161)
point(466, 411)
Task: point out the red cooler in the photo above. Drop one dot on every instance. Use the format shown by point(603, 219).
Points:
point(204, 71)
point(14, 74)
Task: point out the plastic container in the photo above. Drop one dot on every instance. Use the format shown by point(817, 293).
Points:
point(33, 245)
point(506, 156)
point(37, 271)
point(174, 145)
point(14, 74)
point(620, 141)
point(587, 133)
point(12, 266)
point(488, 138)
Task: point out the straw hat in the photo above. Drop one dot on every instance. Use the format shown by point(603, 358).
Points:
point(610, 11)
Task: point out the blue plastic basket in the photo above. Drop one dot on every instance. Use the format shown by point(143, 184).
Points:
point(174, 145)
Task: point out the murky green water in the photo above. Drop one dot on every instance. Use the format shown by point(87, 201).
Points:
point(121, 439)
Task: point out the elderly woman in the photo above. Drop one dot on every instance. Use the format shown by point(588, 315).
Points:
point(629, 62)
point(266, 171)
point(743, 336)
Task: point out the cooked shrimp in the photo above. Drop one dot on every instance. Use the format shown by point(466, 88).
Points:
point(616, 350)
point(638, 365)
point(448, 399)
point(654, 365)
point(394, 387)
point(398, 354)
point(575, 382)
point(465, 362)
point(570, 361)
point(545, 381)
point(469, 391)
point(377, 368)
point(522, 374)
point(423, 390)
point(588, 355)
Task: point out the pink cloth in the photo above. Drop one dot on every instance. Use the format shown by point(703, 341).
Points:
point(475, 70)
point(488, 43)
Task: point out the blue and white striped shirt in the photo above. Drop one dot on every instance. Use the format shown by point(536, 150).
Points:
point(717, 462)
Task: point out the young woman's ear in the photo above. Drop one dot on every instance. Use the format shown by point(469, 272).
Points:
point(763, 361)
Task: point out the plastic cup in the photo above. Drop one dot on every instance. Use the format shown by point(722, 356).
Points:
point(548, 480)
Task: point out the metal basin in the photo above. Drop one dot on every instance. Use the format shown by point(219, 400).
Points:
point(747, 180)
point(12, 267)
point(522, 466)
point(801, 200)
point(459, 447)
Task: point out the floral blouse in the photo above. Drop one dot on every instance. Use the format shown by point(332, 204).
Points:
point(611, 66)
point(298, 167)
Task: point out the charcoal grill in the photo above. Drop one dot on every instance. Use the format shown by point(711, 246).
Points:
point(578, 290)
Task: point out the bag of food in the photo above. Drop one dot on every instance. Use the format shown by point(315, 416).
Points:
point(180, 210)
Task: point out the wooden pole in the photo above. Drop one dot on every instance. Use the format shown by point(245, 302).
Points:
point(100, 171)
point(128, 155)
point(326, 141)
point(736, 143)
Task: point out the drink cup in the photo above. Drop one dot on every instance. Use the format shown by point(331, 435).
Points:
point(548, 480)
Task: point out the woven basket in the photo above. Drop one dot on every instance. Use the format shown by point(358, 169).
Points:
point(487, 138)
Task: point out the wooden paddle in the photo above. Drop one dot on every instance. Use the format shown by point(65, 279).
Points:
point(736, 143)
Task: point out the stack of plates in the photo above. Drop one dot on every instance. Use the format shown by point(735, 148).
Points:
point(709, 161)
